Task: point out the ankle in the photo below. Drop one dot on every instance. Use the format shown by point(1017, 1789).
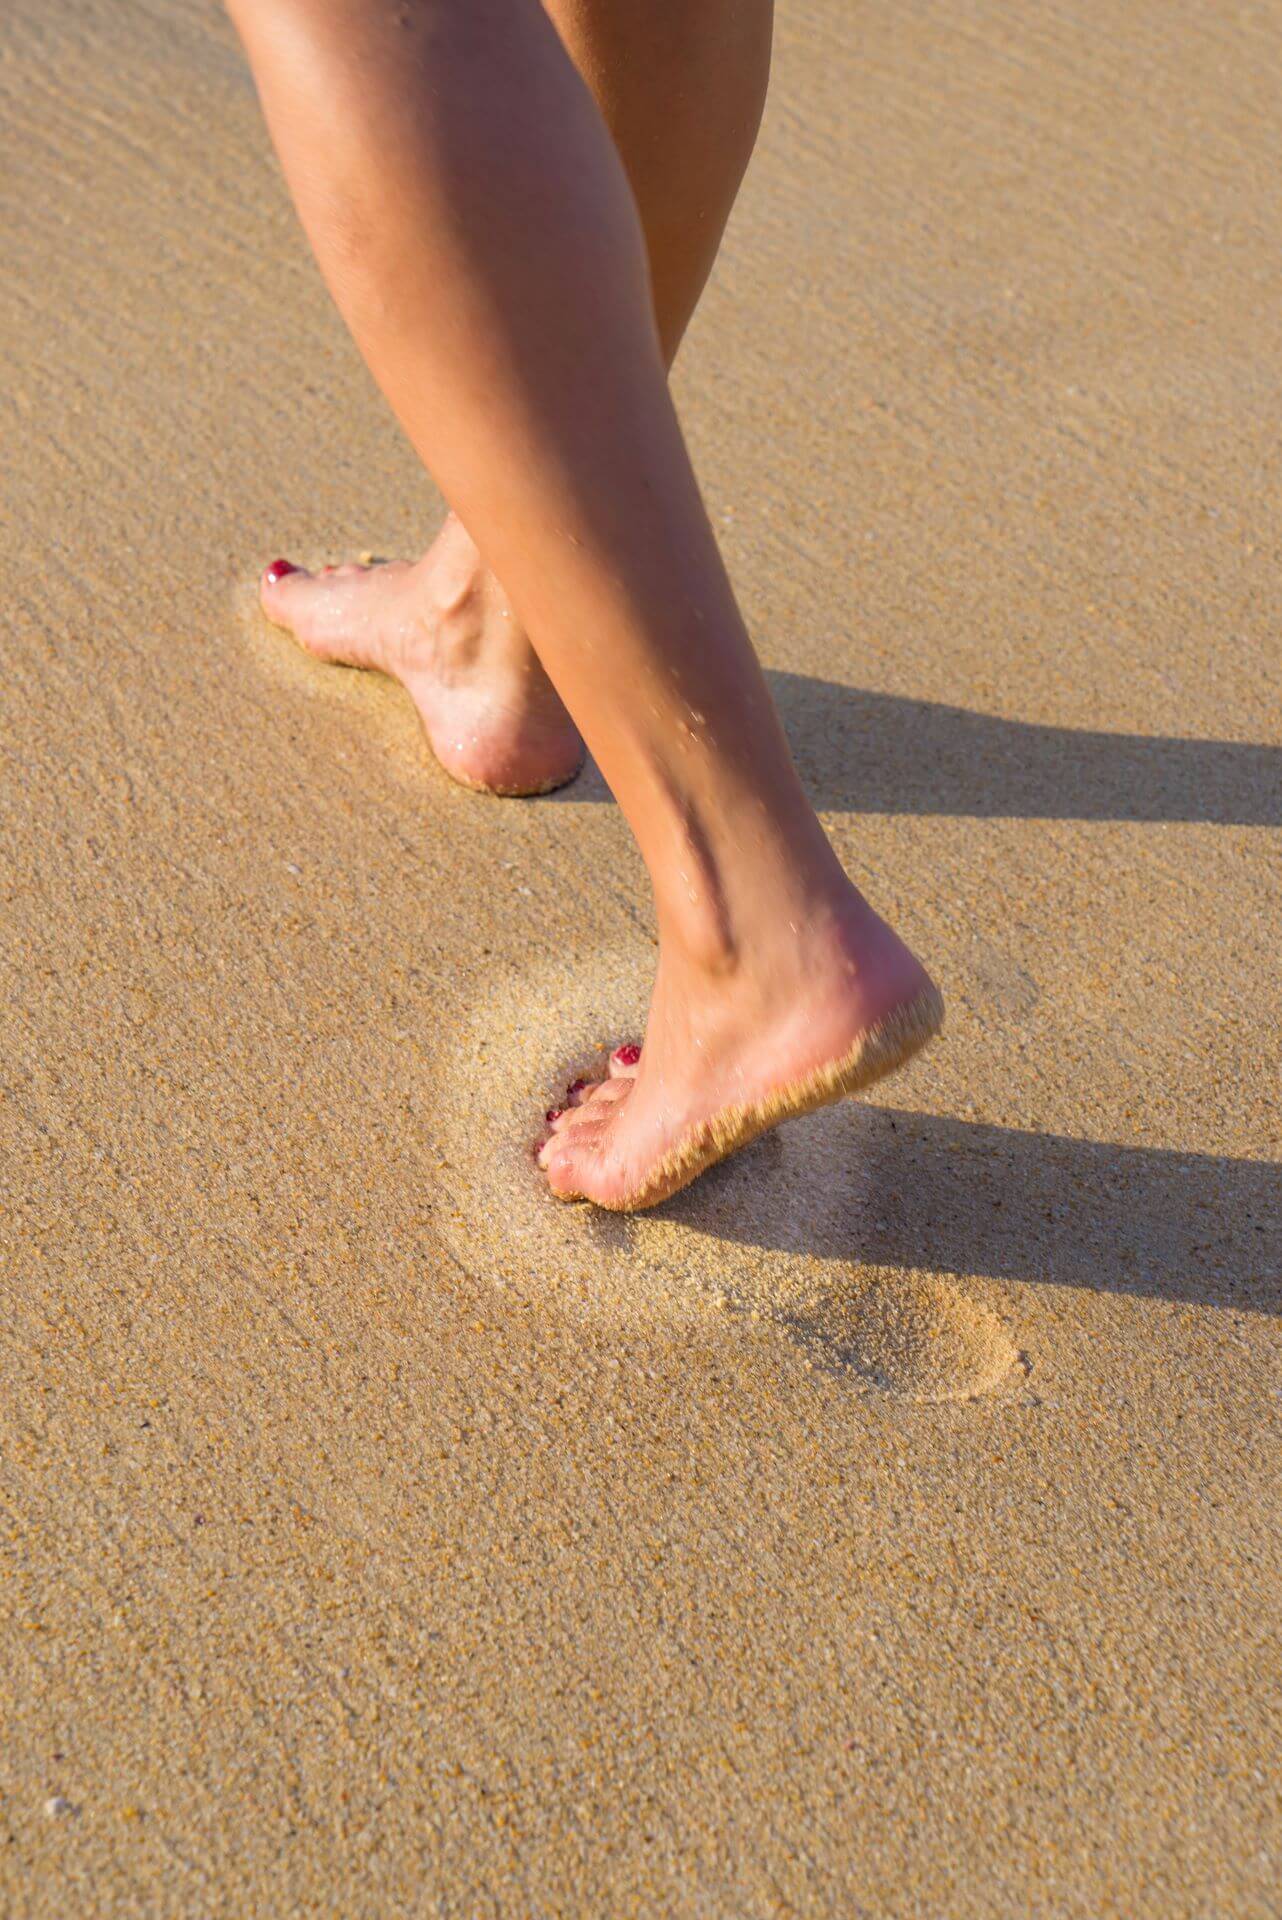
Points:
point(731, 906)
point(467, 630)
point(453, 575)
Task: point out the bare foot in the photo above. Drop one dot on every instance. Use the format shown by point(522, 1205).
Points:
point(443, 628)
point(816, 1013)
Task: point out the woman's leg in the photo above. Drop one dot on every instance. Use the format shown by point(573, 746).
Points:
point(681, 85)
point(476, 226)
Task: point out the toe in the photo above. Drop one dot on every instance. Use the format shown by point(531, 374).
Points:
point(563, 1140)
point(560, 1176)
point(571, 1128)
point(625, 1061)
point(569, 1156)
point(608, 1094)
point(584, 1099)
point(590, 1110)
point(278, 590)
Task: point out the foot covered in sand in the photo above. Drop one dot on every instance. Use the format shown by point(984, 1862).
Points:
point(442, 627)
point(729, 1055)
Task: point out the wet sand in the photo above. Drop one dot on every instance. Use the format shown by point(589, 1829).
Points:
point(888, 1525)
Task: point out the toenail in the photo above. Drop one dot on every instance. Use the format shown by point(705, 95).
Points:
point(279, 568)
point(553, 1113)
point(627, 1056)
point(576, 1086)
point(539, 1145)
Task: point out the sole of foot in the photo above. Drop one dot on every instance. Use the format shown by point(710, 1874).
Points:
point(492, 718)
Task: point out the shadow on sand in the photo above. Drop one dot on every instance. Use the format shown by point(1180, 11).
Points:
point(950, 1196)
point(947, 1196)
point(880, 753)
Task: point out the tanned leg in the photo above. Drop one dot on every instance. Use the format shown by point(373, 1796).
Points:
point(681, 85)
point(475, 223)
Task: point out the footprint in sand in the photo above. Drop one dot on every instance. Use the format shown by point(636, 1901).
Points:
point(915, 1334)
point(773, 1233)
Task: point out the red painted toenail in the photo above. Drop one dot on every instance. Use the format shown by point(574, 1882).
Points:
point(627, 1056)
point(553, 1113)
point(576, 1086)
point(279, 568)
point(538, 1147)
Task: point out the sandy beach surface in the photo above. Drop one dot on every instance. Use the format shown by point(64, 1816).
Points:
point(889, 1525)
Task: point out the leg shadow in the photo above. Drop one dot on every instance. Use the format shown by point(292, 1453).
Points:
point(948, 1196)
point(880, 753)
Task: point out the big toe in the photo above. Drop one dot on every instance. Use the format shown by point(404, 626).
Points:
point(569, 1157)
point(279, 592)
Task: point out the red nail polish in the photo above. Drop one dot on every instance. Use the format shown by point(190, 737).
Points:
point(576, 1086)
point(538, 1147)
point(279, 568)
point(553, 1113)
point(627, 1056)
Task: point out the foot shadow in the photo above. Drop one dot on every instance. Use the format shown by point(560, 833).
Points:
point(861, 752)
point(948, 1196)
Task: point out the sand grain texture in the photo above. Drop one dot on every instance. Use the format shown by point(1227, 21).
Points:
point(378, 1538)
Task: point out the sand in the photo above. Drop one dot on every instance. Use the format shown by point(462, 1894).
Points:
point(888, 1525)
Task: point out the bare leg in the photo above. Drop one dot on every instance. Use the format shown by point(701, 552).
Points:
point(681, 85)
point(499, 288)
